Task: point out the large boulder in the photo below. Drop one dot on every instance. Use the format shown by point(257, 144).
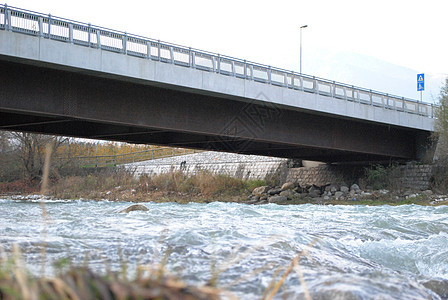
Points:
point(289, 194)
point(274, 191)
point(355, 188)
point(338, 195)
point(277, 199)
point(259, 191)
point(288, 186)
point(345, 189)
point(134, 208)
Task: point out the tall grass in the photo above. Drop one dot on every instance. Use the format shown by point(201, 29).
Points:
point(122, 185)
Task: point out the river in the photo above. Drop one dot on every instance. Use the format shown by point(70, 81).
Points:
point(352, 252)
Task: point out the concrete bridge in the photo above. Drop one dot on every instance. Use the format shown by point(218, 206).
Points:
point(64, 77)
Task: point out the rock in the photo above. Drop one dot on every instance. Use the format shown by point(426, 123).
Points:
point(260, 190)
point(315, 190)
point(338, 195)
point(407, 193)
point(262, 202)
point(264, 197)
point(428, 193)
point(134, 208)
point(313, 194)
point(254, 199)
point(333, 188)
point(274, 191)
point(288, 194)
point(288, 186)
point(365, 194)
point(276, 199)
point(438, 286)
point(345, 189)
point(355, 188)
point(326, 198)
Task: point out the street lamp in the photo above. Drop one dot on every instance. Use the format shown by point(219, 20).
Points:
point(301, 27)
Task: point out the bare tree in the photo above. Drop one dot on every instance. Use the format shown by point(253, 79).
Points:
point(30, 151)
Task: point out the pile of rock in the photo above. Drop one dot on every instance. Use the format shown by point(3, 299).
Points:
point(290, 191)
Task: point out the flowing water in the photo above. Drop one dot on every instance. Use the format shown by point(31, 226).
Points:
point(357, 252)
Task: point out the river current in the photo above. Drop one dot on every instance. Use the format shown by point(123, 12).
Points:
point(349, 252)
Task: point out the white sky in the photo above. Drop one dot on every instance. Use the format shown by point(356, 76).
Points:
point(409, 33)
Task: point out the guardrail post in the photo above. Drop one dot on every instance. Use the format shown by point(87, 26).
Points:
point(189, 57)
point(214, 63)
point(251, 67)
point(88, 33)
point(158, 51)
point(233, 68)
point(245, 69)
point(8, 25)
point(370, 97)
point(70, 33)
point(148, 50)
point(285, 79)
point(218, 64)
point(269, 75)
point(124, 43)
point(293, 79)
point(193, 60)
point(172, 54)
point(98, 38)
point(315, 85)
point(49, 26)
point(41, 27)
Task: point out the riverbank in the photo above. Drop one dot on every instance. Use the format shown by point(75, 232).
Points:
point(206, 188)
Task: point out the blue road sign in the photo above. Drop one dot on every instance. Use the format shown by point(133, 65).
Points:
point(420, 82)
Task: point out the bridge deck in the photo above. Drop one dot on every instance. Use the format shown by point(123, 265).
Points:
point(110, 85)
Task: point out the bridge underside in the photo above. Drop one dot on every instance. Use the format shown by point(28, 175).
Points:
point(72, 103)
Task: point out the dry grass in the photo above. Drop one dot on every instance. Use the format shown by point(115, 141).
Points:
point(174, 186)
point(81, 283)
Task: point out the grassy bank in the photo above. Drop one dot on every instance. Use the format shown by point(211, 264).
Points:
point(177, 187)
point(170, 187)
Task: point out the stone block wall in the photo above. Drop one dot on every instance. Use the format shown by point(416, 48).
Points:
point(412, 176)
point(324, 175)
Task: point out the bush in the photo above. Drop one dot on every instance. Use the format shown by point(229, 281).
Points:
point(439, 178)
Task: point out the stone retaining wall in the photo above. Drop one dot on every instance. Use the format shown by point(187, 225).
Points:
point(409, 176)
point(412, 176)
point(324, 175)
point(234, 165)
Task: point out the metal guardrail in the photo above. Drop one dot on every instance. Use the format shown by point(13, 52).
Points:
point(127, 158)
point(64, 30)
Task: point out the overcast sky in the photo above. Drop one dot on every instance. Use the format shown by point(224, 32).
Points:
point(408, 33)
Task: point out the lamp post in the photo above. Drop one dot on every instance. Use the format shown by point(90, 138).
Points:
point(301, 27)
